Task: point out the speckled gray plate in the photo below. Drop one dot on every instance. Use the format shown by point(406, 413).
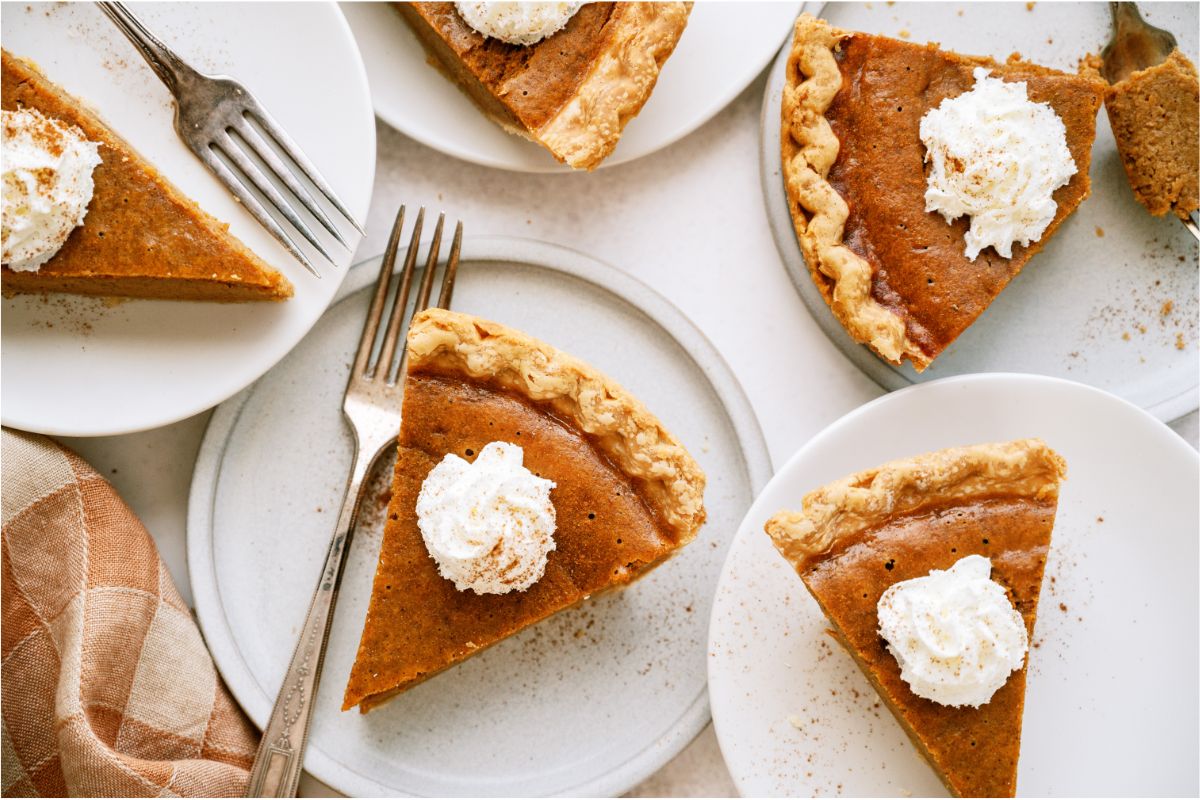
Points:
point(1090, 306)
point(589, 702)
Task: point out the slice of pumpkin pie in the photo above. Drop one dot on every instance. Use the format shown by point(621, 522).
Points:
point(525, 483)
point(568, 76)
point(85, 214)
point(929, 570)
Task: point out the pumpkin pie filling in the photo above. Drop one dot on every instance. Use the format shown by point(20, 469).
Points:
point(527, 85)
point(1155, 118)
point(920, 273)
point(850, 581)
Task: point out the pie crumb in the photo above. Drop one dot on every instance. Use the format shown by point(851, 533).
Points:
point(1029, 6)
point(1100, 231)
point(1180, 344)
point(904, 33)
point(1166, 308)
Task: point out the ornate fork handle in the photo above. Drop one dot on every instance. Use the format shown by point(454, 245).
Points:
point(280, 757)
point(170, 68)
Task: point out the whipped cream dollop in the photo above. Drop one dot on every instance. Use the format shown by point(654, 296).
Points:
point(954, 633)
point(48, 185)
point(517, 23)
point(489, 524)
point(998, 157)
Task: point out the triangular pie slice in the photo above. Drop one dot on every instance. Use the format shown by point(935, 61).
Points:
point(141, 237)
point(572, 92)
point(860, 535)
point(628, 494)
point(894, 274)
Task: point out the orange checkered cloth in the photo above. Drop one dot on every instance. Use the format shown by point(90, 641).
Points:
point(108, 688)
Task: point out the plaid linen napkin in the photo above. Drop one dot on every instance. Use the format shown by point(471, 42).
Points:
point(108, 688)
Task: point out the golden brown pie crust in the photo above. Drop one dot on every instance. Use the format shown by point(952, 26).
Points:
point(856, 537)
point(847, 507)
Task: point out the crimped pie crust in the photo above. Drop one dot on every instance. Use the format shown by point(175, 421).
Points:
point(588, 127)
point(859, 502)
point(809, 150)
point(614, 420)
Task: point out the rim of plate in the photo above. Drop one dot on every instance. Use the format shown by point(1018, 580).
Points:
point(357, 72)
point(774, 195)
point(851, 418)
point(210, 609)
point(397, 119)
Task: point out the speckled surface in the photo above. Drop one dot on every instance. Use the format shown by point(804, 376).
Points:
point(688, 220)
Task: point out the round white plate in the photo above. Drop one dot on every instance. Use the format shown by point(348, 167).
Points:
point(77, 366)
point(589, 702)
point(1111, 707)
point(1092, 306)
point(723, 48)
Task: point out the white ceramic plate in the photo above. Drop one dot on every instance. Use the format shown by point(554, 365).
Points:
point(85, 367)
point(723, 48)
point(1112, 697)
point(589, 702)
point(1089, 307)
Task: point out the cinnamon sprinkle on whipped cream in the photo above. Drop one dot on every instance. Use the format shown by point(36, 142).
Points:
point(47, 172)
point(489, 525)
point(998, 157)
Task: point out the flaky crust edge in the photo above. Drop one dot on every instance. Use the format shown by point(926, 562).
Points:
point(809, 149)
point(615, 420)
point(585, 131)
point(844, 508)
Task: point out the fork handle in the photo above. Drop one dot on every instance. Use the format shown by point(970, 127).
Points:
point(170, 68)
point(280, 756)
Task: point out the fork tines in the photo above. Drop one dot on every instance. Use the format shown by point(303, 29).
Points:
point(249, 154)
point(364, 367)
point(230, 131)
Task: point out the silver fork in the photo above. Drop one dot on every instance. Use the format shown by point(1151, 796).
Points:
point(372, 407)
point(221, 122)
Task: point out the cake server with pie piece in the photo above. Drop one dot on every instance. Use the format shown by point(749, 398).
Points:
point(372, 408)
point(1153, 104)
point(239, 142)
